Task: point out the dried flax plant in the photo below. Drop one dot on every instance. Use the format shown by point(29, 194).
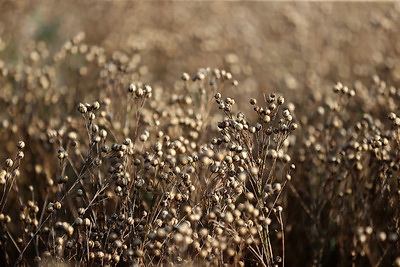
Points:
point(151, 175)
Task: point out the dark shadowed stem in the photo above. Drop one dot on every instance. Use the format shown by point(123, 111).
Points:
point(283, 238)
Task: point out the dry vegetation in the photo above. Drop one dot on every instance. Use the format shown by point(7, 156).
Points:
point(106, 160)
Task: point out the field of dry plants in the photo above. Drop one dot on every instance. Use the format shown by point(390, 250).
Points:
point(199, 133)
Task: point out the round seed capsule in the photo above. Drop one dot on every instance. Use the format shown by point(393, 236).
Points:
point(21, 145)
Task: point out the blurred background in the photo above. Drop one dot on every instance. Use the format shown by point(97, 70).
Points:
point(267, 46)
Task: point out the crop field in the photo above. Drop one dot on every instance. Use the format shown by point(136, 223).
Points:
point(199, 133)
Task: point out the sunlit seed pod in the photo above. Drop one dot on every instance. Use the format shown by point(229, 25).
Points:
point(286, 113)
point(132, 88)
point(46, 254)
point(215, 198)
point(178, 238)
point(95, 128)
point(7, 219)
point(9, 163)
point(242, 231)
point(3, 174)
point(147, 89)
point(100, 255)
point(82, 108)
point(286, 158)
point(254, 171)
point(382, 236)
point(203, 253)
point(242, 177)
point(116, 258)
point(338, 87)
point(277, 259)
point(96, 105)
point(20, 155)
point(57, 205)
point(59, 241)
point(271, 98)
point(81, 211)
point(266, 119)
point(96, 139)
point(250, 196)
point(86, 222)
point(139, 92)
point(103, 133)
point(280, 100)
point(272, 154)
point(272, 106)
point(293, 126)
point(130, 221)
point(369, 230)
point(214, 140)
point(143, 138)
point(50, 207)
point(61, 155)
point(118, 243)
point(127, 142)
point(185, 77)
point(105, 149)
point(138, 253)
point(21, 145)
point(118, 189)
point(200, 76)
point(70, 230)
point(49, 182)
point(392, 116)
